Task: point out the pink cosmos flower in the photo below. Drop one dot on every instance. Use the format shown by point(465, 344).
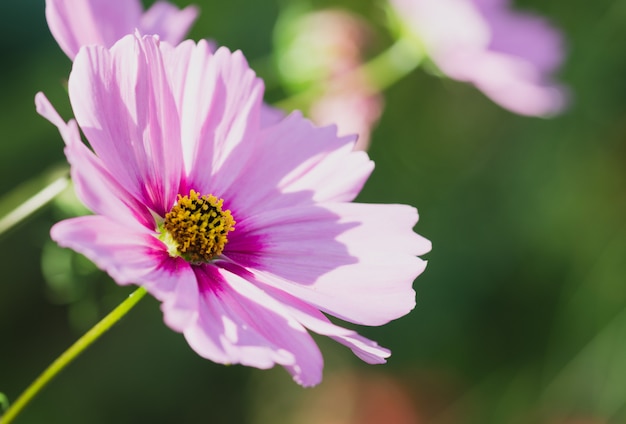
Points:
point(245, 233)
point(77, 23)
point(508, 55)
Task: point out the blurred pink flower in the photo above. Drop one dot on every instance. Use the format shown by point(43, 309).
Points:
point(326, 48)
point(245, 233)
point(353, 106)
point(508, 55)
point(76, 23)
point(321, 45)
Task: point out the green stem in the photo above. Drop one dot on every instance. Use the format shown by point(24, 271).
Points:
point(389, 67)
point(70, 354)
point(36, 198)
point(381, 72)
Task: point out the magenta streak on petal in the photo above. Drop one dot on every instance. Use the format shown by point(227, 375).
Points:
point(321, 168)
point(333, 262)
point(230, 120)
point(94, 186)
point(115, 96)
point(311, 318)
point(127, 254)
point(238, 323)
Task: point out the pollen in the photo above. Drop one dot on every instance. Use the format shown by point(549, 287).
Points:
point(198, 227)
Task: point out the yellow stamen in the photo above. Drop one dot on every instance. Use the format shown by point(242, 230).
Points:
point(198, 227)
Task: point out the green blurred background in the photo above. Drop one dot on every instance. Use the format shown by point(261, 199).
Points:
point(521, 313)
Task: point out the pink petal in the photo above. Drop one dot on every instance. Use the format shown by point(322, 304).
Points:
point(237, 323)
point(77, 23)
point(166, 20)
point(367, 350)
point(179, 294)
point(128, 254)
point(124, 106)
point(135, 257)
point(94, 186)
point(219, 128)
point(271, 115)
point(299, 163)
point(511, 83)
point(354, 261)
point(529, 37)
point(506, 54)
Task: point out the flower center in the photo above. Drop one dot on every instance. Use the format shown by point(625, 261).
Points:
point(197, 227)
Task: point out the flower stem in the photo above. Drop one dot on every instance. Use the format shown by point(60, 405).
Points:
point(389, 67)
point(31, 203)
point(381, 72)
point(70, 354)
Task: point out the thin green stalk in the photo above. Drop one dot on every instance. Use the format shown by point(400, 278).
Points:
point(381, 72)
point(389, 67)
point(39, 192)
point(70, 354)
